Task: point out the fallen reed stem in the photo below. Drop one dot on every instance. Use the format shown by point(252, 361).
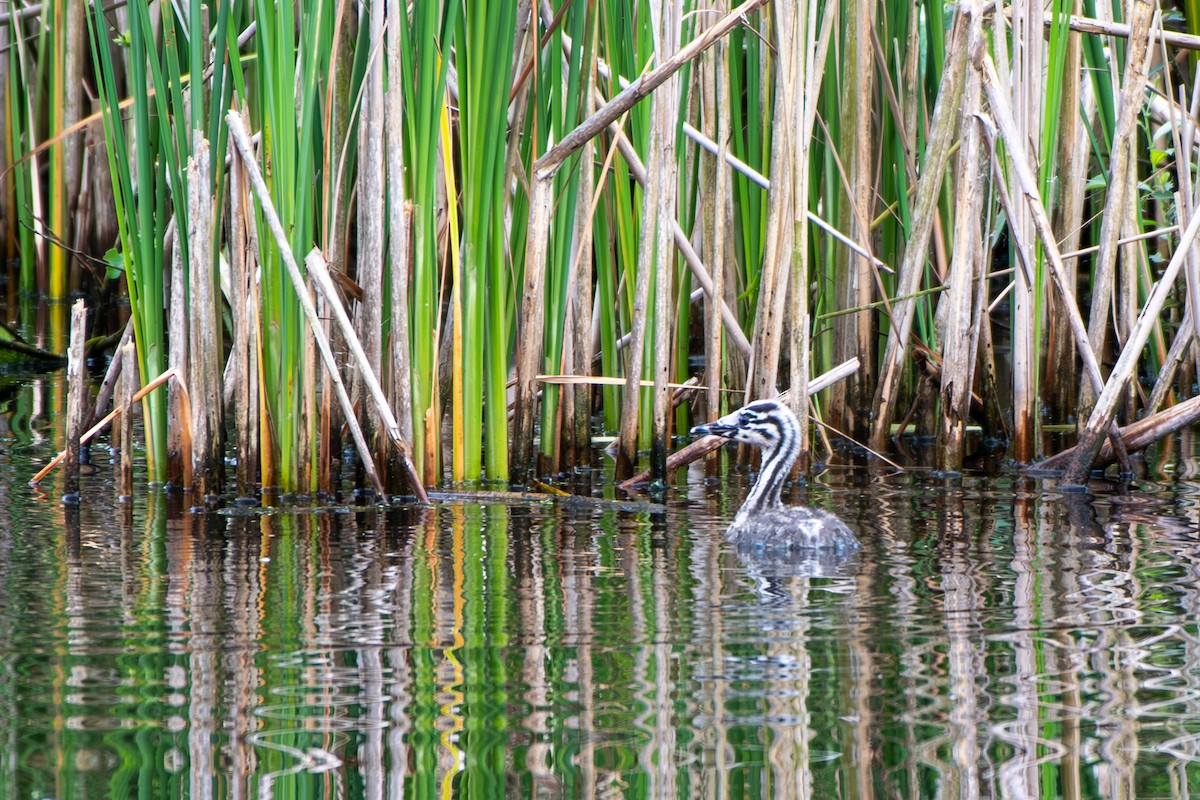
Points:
point(102, 424)
point(1136, 436)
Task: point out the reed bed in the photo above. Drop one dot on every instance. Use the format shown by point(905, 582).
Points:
point(550, 221)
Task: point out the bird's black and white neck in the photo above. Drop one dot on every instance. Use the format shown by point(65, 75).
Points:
point(764, 521)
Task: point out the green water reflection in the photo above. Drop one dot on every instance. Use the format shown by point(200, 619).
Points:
point(992, 640)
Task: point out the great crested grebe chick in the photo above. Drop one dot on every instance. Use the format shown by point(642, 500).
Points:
point(763, 521)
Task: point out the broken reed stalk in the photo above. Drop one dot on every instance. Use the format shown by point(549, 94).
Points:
point(529, 340)
point(204, 332)
point(177, 359)
point(103, 423)
point(241, 139)
point(245, 350)
point(127, 358)
point(76, 399)
point(706, 444)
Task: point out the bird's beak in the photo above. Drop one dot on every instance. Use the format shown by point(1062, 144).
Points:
point(717, 428)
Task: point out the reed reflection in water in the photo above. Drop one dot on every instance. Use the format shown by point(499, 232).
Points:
point(993, 639)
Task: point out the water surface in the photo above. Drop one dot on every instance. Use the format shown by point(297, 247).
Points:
point(994, 638)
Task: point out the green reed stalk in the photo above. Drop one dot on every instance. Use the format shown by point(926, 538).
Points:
point(606, 294)
point(930, 77)
point(750, 143)
point(290, 146)
point(484, 60)
point(427, 34)
point(57, 200)
point(899, 20)
point(20, 223)
point(143, 208)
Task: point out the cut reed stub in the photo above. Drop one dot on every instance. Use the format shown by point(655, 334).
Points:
point(76, 399)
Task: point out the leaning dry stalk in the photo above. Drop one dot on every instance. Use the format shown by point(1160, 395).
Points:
point(1106, 405)
point(1139, 435)
point(942, 127)
point(242, 141)
point(1081, 24)
point(87, 435)
point(319, 272)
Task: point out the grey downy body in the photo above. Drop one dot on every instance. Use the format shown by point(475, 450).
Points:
point(764, 522)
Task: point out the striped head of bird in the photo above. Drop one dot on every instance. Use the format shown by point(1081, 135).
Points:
point(766, 424)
